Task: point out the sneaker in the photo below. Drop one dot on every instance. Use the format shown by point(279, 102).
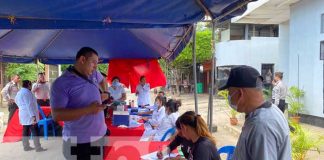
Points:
point(28, 148)
point(41, 149)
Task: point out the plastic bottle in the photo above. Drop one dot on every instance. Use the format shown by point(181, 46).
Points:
point(132, 104)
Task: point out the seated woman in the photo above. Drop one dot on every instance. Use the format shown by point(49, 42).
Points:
point(178, 140)
point(117, 91)
point(172, 114)
point(158, 113)
point(194, 129)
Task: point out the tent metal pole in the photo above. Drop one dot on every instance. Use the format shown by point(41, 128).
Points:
point(194, 66)
point(210, 108)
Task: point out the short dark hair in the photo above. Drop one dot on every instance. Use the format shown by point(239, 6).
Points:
point(86, 52)
point(162, 92)
point(115, 78)
point(279, 74)
point(173, 105)
point(142, 77)
point(26, 83)
point(41, 73)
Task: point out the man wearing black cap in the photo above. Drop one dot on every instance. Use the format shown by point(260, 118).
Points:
point(265, 134)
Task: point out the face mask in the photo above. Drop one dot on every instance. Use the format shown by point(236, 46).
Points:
point(115, 83)
point(233, 106)
point(155, 107)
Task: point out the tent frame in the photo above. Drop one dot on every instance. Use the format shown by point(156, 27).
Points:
point(214, 22)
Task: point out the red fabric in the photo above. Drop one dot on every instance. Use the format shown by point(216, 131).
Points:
point(14, 129)
point(132, 150)
point(136, 133)
point(130, 70)
point(46, 110)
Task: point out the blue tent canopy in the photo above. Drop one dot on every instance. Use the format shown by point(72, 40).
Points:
point(94, 14)
point(53, 31)
point(60, 46)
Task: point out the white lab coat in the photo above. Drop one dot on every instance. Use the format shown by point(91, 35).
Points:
point(157, 116)
point(27, 105)
point(143, 97)
point(168, 122)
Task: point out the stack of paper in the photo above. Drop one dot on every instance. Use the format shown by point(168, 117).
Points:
point(153, 156)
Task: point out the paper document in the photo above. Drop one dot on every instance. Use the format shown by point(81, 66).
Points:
point(153, 156)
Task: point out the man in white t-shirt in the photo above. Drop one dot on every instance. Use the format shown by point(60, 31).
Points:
point(143, 93)
point(41, 90)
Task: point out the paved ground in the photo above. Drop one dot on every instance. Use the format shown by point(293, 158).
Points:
point(226, 134)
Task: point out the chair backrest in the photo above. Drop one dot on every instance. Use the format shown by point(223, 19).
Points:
point(41, 112)
point(169, 131)
point(229, 150)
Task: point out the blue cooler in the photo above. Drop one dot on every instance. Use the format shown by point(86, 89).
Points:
point(121, 118)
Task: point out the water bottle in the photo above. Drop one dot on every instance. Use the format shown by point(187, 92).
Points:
point(132, 104)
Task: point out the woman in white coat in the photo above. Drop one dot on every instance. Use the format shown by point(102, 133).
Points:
point(158, 113)
point(172, 114)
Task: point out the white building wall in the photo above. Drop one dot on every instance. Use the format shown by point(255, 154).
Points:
point(225, 35)
point(304, 42)
point(283, 59)
point(254, 52)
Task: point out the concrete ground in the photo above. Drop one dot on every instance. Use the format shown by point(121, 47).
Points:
point(225, 135)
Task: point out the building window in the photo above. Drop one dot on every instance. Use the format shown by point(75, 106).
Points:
point(267, 74)
point(322, 23)
point(322, 50)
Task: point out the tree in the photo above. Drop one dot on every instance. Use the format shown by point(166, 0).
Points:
point(203, 50)
point(101, 67)
point(26, 71)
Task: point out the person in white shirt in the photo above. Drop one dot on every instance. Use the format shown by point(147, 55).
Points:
point(143, 93)
point(279, 92)
point(168, 121)
point(28, 116)
point(9, 93)
point(117, 90)
point(158, 113)
point(41, 90)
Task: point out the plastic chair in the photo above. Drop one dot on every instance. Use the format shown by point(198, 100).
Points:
point(229, 150)
point(45, 122)
point(170, 131)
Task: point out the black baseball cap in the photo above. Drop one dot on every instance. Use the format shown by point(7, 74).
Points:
point(242, 77)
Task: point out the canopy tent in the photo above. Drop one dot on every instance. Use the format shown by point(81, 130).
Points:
point(177, 17)
point(94, 14)
point(164, 27)
point(60, 46)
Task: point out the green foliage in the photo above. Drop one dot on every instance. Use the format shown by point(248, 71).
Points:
point(26, 71)
point(203, 50)
point(302, 141)
point(101, 67)
point(64, 67)
point(266, 94)
point(295, 104)
point(224, 94)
